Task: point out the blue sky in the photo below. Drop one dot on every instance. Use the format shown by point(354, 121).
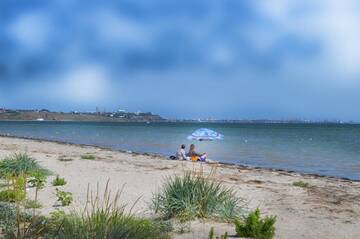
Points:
point(183, 59)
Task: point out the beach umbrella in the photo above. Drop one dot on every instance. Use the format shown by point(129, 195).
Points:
point(205, 134)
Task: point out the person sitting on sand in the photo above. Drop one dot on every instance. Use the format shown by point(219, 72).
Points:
point(180, 154)
point(196, 156)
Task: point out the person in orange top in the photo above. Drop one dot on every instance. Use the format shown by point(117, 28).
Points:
point(196, 156)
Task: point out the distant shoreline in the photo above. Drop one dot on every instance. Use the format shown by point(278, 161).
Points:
point(190, 122)
point(240, 166)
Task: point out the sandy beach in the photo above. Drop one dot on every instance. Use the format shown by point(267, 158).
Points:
point(327, 208)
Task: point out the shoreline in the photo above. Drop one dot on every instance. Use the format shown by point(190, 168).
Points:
point(331, 205)
point(241, 166)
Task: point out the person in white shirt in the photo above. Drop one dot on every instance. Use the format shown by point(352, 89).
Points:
point(180, 154)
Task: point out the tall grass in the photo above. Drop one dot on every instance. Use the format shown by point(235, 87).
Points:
point(103, 218)
point(195, 196)
point(18, 164)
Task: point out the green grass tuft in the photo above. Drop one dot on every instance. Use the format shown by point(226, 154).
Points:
point(213, 236)
point(32, 204)
point(191, 196)
point(256, 227)
point(88, 156)
point(301, 184)
point(58, 181)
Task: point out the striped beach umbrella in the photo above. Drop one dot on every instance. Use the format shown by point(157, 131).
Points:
point(205, 134)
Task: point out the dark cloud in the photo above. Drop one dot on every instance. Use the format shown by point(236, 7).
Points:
point(237, 59)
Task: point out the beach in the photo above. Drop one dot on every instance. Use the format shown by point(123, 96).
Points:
point(328, 208)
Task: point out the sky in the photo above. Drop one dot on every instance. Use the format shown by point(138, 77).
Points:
point(228, 59)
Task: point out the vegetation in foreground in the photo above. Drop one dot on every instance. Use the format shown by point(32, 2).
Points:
point(103, 218)
point(256, 227)
point(194, 196)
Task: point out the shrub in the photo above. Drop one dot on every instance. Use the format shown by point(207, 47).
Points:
point(32, 204)
point(7, 196)
point(192, 196)
point(7, 217)
point(58, 181)
point(20, 164)
point(301, 184)
point(88, 156)
point(103, 219)
point(255, 227)
point(65, 198)
point(212, 235)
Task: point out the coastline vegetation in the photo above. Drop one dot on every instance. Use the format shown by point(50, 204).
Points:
point(88, 157)
point(301, 184)
point(183, 198)
point(59, 181)
point(256, 227)
point(193, 196)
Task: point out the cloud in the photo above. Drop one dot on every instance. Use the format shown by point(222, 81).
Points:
point(331, 23)
point(31, 30)
point(118, 29)
point(84, 84)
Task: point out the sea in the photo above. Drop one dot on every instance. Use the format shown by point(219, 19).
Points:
point(324, 149)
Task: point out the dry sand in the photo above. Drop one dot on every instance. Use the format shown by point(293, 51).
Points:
point(328, 208)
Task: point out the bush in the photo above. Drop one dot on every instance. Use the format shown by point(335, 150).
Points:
point(19, 164)
point(7, 217)
point(255, 227)
point(103, 219)
point(58, 181)
point(65, 198)
point(88, 156)
point(32, 204)
point(191, 196)
point(8, 196)
point(301, 184)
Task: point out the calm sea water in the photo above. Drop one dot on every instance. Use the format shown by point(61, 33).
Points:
point(327, 149)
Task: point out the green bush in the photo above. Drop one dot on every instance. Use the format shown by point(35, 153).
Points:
point(256, 227)
point(103, 218)
point(88, 156)
point(7, 217)
point(19, 164)
point(192, 196)
point(8, 196)
point(58, 181)
point(301, 184)
point(65, 198)
point(32, 204)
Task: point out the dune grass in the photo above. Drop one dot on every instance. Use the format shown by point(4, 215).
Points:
point(59, 181)
point(301, 184)
point(20, 163)
point(194, 196)
point(103, 218)
point(88, 157)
